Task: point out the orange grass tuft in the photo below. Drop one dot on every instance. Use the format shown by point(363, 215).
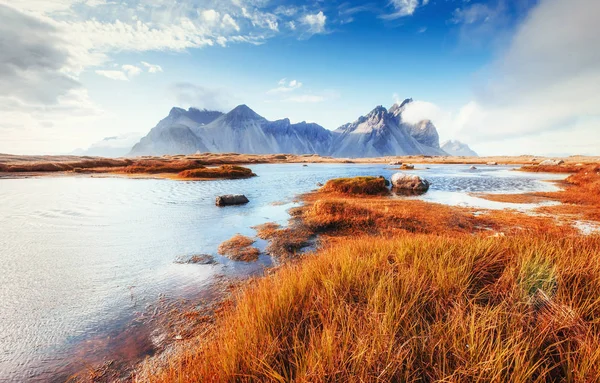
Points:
point(223, 171)
point(357, 186)
point(239, 248)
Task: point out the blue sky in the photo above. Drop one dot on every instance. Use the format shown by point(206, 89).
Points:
point(491, 73)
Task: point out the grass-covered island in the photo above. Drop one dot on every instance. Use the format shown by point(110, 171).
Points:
point(401, 290)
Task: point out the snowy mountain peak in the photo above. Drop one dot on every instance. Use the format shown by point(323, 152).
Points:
point(378, 111)
point(244, 112)
point(175, 111)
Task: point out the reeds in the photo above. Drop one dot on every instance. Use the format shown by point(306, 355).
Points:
point(411, 308)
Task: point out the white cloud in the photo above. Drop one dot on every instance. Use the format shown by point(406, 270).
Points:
point(473, 13)
point(544, 85)
point(112, 74)
point(228, 21)
point(192, 95)
point(131, 70)
point(315, 22)
point(285, 86)
point(210, 15)
point(152, 68)
point(403, 8)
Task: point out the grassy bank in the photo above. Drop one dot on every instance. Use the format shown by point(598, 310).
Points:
point(411, 308)
point(404, 290)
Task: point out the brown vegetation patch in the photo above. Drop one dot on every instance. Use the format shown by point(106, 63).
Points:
point(266, 230)
point(239, 248)
point(439, 308)
point(581, 192)
point(357, 186)
point(156, 166)
point(287, 243)
point(336, 215)
point(551, 168)
point(223, 171)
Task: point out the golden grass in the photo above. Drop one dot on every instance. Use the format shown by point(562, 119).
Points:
point(223, 171)
point(406, 290)
point(412, 308)
point(357, 186)
point(581, 194)
point(565, 168)
point(239, 248)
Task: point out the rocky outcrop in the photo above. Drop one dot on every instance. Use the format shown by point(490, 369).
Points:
point(551, 162)
point(409, 182)
point(231, 199)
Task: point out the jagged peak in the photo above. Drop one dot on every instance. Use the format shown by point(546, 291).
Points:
point(406, 101)
point(243, 111)
point(378, 110)
point(176, 111)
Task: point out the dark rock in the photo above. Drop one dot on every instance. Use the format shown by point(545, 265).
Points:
point(231, 199)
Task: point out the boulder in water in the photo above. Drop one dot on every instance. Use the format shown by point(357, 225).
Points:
point(410, 182)
point(231, 199)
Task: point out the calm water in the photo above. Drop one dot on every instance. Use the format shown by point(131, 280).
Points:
point(79, 255)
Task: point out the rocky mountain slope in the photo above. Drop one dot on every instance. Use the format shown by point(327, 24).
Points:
point(379, 133)
point(457, 148)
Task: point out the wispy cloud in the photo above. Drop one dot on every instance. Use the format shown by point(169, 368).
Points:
point(131, 70)
point(315, 22)
point(403, 8)
point(474, 13)
point(285, 86)
point(112, 74)
point(188, 94)
point(152, 68)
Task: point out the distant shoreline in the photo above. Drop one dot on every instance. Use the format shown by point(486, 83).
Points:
point(24, 166)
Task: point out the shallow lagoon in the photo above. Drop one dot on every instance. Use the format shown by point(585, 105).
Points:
point(80, 256)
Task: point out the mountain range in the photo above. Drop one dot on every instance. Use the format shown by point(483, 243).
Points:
point(380, 133)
